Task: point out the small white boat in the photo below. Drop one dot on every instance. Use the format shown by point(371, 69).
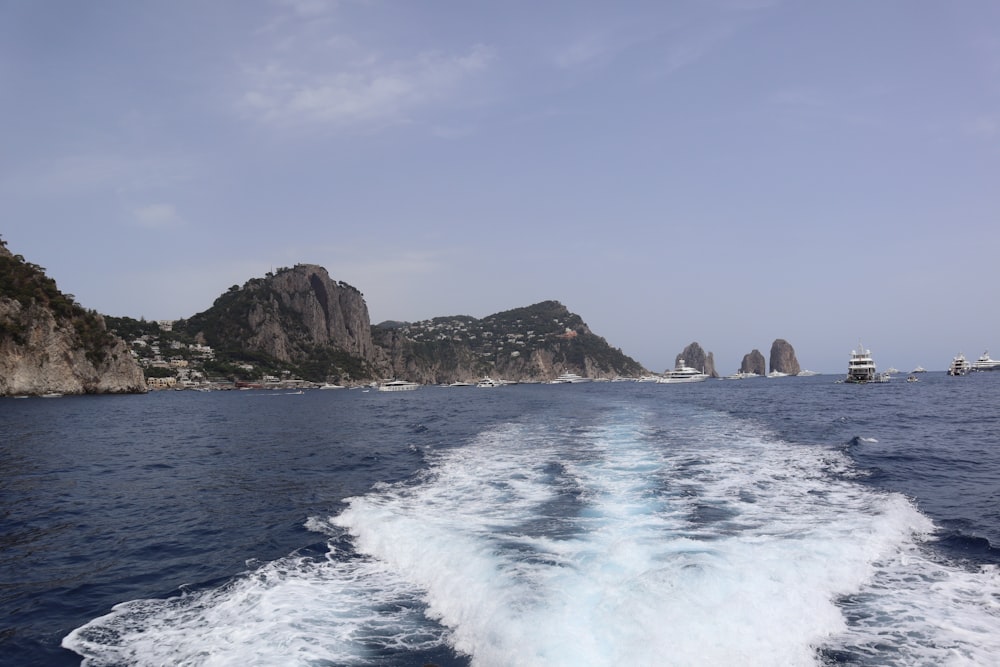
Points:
point(919, 369)
point(398, 385)
point(327, 385)
point(777, 374)
point(683, 373)
point(807, 374)
point(487, 382)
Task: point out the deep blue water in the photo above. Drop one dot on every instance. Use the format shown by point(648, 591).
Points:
point(789, 521)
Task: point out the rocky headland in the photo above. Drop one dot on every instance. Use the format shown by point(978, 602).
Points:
point(299, 320)
point(49, 344)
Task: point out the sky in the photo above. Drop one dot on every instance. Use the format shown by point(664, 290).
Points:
point(721, 171)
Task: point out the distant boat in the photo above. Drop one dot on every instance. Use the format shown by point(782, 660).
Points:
point(487, 382)
point(807, 374)
point(984, 363)
point(682, 373)
point(959, 366)
point(919, 369)
point(569, 378)
point(741, 375)
point(912, 378)
point(327, 385)
point(777, 374)
point(398, 385)
point(861, 368)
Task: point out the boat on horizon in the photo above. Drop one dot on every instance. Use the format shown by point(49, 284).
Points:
point(397, 385)
point(861, 368)
point(984, 363)
point(959, 366)
point(919, 369)
point(569, 378)
point(682, 373)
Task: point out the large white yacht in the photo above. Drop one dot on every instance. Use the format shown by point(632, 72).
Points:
point(861, 368)
point(959, 365)
point(984, 363)
point(398, 385)
point(682, 373)
point(569, 378)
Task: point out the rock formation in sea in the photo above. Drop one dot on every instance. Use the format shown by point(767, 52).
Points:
point(695, 357)
point(50, 344)
point(783, 358)
point(754, 363)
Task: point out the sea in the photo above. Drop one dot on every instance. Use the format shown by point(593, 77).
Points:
point(789, 521)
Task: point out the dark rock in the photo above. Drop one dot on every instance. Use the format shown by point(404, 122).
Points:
point(695, 357)
point(783, 358)
point(754, 363)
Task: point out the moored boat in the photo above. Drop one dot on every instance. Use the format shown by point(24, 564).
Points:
point(397, 385)
point(861, 368)
point(569, 378)
point(682, 373)
point(984, 363)
point(959, 366)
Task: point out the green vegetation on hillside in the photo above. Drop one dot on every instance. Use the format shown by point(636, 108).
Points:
point(27, 284)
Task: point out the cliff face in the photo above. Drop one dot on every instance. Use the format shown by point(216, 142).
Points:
point(754, 363)
point(695, 357)
point(49, 344)
point(783, 358)
point(288, 316)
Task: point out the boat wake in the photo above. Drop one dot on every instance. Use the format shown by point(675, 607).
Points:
point(641, 538)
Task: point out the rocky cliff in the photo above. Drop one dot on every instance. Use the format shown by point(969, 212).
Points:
point(754, 363)
point(296, 315)
point(50, 344)
point(783, 358)
point(695, 357)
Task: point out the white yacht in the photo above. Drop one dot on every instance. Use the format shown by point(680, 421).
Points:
point(984, 363)
point(807, 374)
point(397, 385)
point(569, 378)
point(487, 382)
point(682, 373)
point(741, 375)
point(777, 374)
point(861, 367)
point(919, 369)
point(959, 365)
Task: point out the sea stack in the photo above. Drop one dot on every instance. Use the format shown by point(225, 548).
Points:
point(754, 363)
point(695, 357)
point(783, 358)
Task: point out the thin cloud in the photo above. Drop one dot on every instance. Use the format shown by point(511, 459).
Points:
point(367, 92)
point(156, 216)
point(86, 173)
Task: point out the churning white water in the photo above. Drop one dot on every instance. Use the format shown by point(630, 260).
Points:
point(688, 538)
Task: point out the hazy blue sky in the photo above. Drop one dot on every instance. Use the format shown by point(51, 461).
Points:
point(725, 171)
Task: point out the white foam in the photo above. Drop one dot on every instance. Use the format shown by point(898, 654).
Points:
point(700, 541)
